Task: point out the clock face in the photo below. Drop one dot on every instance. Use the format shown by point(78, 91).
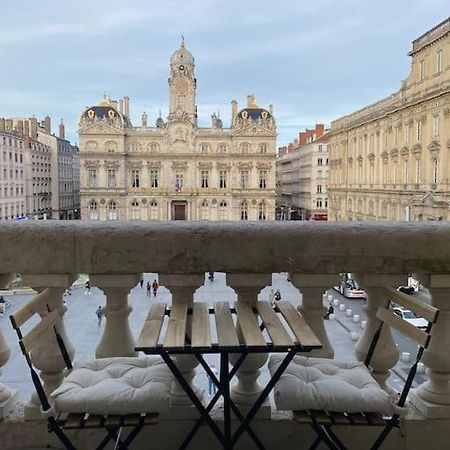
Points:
point(181, 67)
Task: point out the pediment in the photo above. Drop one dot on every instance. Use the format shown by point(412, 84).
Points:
point(100, 128)
point(254, 129)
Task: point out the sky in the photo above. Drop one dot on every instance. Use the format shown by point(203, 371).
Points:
point(314, 61)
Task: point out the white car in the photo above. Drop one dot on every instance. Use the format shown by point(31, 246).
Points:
point(349, 288)
point(410, 317)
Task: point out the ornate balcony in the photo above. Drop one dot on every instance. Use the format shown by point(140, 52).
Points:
point(50, 254)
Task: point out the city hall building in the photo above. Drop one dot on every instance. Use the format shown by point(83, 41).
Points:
point(177, 170)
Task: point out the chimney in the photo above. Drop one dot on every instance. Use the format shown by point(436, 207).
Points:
point(271, 109)
point(251, 103)
point(121, 106)
point(33, 128)
point(126, 106)
point(2, 124)
point(302, 138)
point(26, 128)
point(48, 125)
point(62, 130)
point(234, 109)
point(320, 128)
point(9, 125)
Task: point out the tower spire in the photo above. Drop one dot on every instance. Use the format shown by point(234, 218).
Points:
point(182, 40)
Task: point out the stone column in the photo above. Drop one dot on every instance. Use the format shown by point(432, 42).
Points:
point(432, 398)
point(247, 389)
point(8, 397)
point(386, 353)
point(117, 339)
point(182, 288)
point(47, 355)
point(312, 309)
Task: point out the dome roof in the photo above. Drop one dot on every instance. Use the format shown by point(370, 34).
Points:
point(182, 55)
point(254, 113)
point(159, 122)
point(101, 112)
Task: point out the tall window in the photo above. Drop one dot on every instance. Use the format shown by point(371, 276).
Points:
point(154, 210)
point(222, 179)
point(181, 101)
point(407, 131)
point(436, 126)
point(204, 175)
point(319, 203)
point(263, 148)
point(439, 61)
point(417, 170)
point(112, 210)
point(419, 130)
point(135, 210)
point(111, 178)
point(385, 138)
point(263, 179)
point(154, 178)
point(135, 178)
point(93, 210)
point(394, 172)
point(178, 181)
point(405, 171)
point(244, 211)
point(92, 178)
point(223, 210)
point(204, 148)
point(244, 179)
point(435, 170)
point(319, 188)
point(262, 211)
point(320, 147)
point(421, 70)
point(320, 162)
point(396, 133)
point(222, 148)
point(245, 148)
point(204, 212)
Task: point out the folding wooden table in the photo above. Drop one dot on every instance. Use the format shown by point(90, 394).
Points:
point(287, 332)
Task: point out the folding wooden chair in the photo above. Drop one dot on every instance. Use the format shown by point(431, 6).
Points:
point(322, 418)
point(59, 420)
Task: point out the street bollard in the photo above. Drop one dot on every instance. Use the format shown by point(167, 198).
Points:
point(342, 307)
point(356, 318)
point(348, 312)
point(363, 324)
point(354, 336)
point(405, 356)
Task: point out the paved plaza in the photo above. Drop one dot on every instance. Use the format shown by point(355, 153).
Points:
point(83, 330)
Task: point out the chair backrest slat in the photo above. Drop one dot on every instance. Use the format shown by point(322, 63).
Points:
point(32, 338)
point(27, 311)
point(390, 318)
point(422, 309)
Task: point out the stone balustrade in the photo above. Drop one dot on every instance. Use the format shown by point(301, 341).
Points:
point(114, 254)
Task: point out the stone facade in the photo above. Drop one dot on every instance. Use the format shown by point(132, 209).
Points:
point(177, 170)
point(389, 161)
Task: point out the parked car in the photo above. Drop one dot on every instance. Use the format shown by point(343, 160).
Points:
point(411, 317)
point(349, 287)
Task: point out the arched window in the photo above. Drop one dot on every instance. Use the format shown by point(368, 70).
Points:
point(204, 211)
point(154, 211)
point(153, 147)
point(222, 148)
point(263, 147)
point(223, 212)
point(245, 148)
point(93, 210)
point(244, 211)
point(262, 211)
point(135, 213)
point(112, 210)
point(204, 147)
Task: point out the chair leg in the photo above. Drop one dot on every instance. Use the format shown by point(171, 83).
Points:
point(54, 427)
point(384, 434)
point(323, 435)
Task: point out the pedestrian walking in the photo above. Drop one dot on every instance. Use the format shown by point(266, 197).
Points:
point(212, 388)
point(330, 310)
point(141, 282)
point(155, 287)
point(99, 312)
point(149, 288)
point(88, 288)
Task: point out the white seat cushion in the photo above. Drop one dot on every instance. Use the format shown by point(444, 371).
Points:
point(115, 386)
point(329, 385)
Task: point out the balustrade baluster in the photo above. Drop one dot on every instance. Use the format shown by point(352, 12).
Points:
point(247, 389)
point(117, 339)
point(46, 356)
point(182, 288)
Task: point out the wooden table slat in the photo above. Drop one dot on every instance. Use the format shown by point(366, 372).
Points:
point(152, 327)
point(226, 333)
point(176, 329)
point(201, 334)
point(248, 323)
point(274, 327)
point(300, 328)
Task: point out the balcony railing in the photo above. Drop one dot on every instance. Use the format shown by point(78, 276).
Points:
point(381, 255)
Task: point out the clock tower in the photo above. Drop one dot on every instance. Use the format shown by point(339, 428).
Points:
point(182, 86)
